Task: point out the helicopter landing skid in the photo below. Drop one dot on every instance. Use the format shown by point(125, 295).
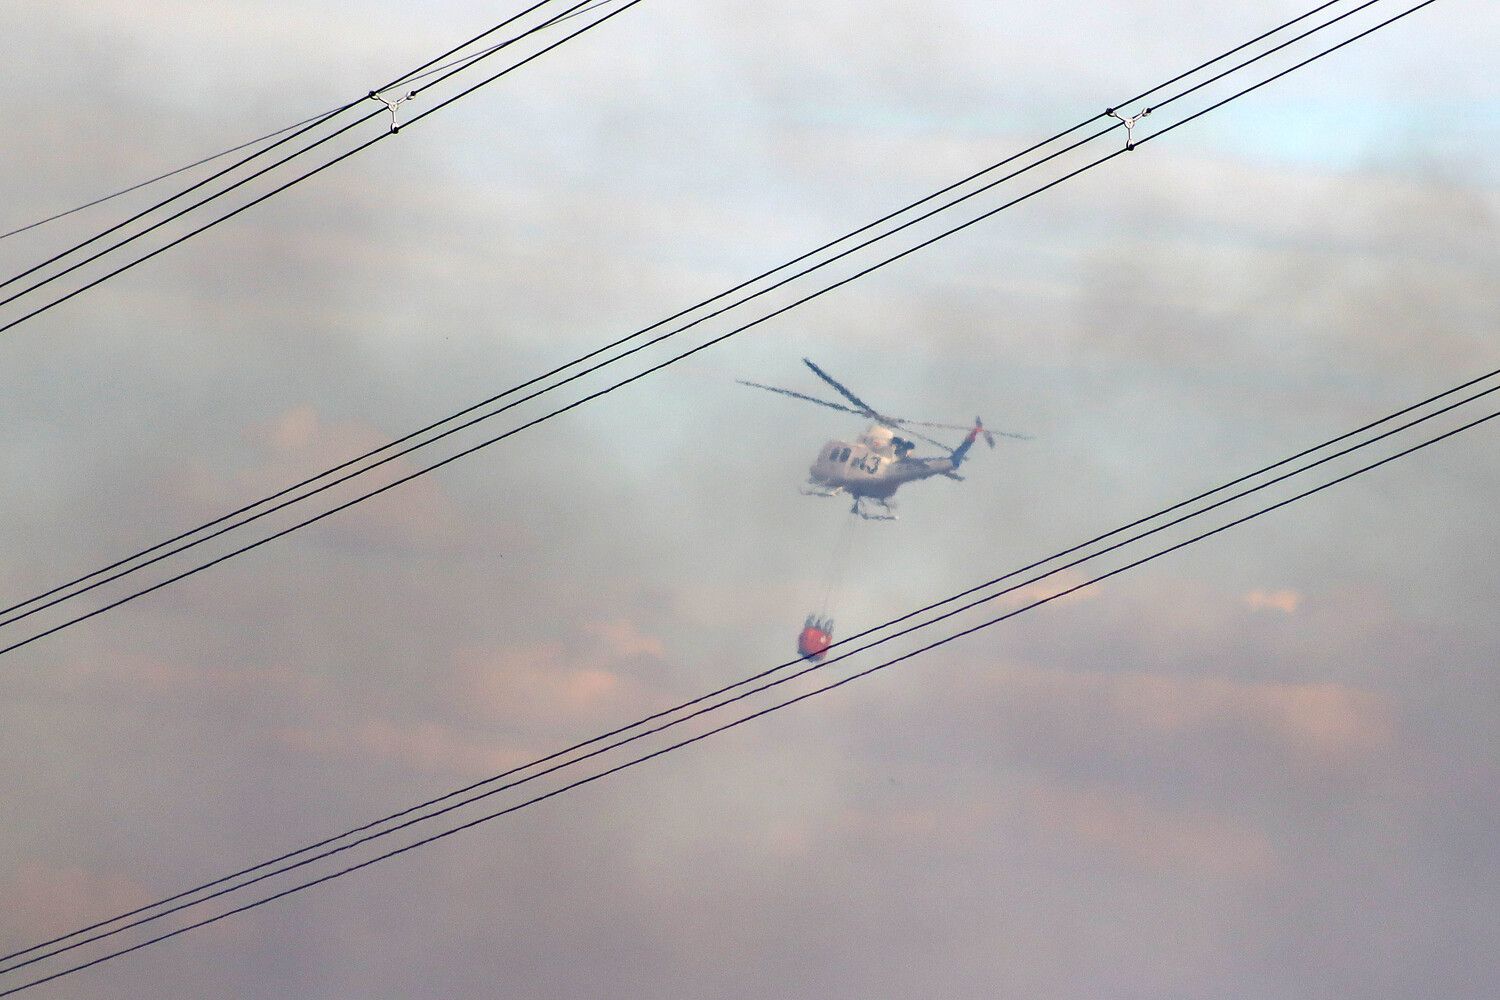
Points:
point(811, 490)
point(859, 508)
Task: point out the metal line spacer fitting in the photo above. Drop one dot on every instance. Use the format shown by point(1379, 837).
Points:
point(1129, 124)
point(391, 105)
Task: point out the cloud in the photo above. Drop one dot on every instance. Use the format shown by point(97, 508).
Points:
point(1151, 836)
point(142, 676)
point(497, 710)
point(1324, 726)
point(626, 640)
point(421, 746)
point(1339, 278)
point(534, 684)
point(1174, 311)
point(1322, 720)
point(1054, 585)
point(299, 442)
point(500, 706)
point(40, 897)
point(1285, 601)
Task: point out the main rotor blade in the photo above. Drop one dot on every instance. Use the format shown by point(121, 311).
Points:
point(864, 407)
point(797, 395)
point(929, 440)
point(960, 427)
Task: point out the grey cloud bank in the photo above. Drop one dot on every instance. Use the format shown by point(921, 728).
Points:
point(1173, 788)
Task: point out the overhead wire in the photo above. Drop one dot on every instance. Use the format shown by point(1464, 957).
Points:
point(265, 170)
point(520, 386)
point(618, 342)
point(842, 642)
point(524, 426)
point(603, 364)
point(1295, 456)
point(173, 173)
point(803, 672)
point(1290, 69)
point(525, 399)
point(412, 77)
point(256, 155)
point(464, 61)
point(672, 747)
point(463, 64)
point(779, 667)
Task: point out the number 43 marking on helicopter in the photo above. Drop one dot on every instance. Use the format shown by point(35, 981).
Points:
point(872, 468)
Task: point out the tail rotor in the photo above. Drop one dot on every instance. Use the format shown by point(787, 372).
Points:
point(974, 432)
point(989, 438)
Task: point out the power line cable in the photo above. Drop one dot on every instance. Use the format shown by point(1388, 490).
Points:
point(1199, 512)
point(672, 747)
point(413, 76)
point(173, 173)
point(567, 380)
point(1091, 556)
point(576, 9)
point(473, 57)
point(185, 191)
point(512, 405)
point(234, 186)
point(336, 111)
point(266, 170)
point(688, 704)
point(616, 343)
point(287, 490)
point(523, 385)
point(1217, 529)
point(1290, 69)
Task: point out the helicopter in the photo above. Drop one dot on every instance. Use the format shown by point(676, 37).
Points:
point(872, 468)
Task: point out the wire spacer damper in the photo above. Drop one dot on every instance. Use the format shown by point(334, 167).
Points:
point(1129, 124)
point(391, 105)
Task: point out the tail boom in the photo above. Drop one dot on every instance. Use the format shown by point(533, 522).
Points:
point(963, 449)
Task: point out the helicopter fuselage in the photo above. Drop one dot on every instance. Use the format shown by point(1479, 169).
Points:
point(875, 466)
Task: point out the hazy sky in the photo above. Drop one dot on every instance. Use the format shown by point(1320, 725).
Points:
point(1263, 767)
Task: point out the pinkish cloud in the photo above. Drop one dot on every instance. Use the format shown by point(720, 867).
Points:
point(1285, 601)
point(1053, 585)
point(299, 443)
point(1148, 835)
point(1328, 724)
point(625, 639)
point(40, 899)
point(589, 676)
point(421, 746)
point(122, 673)
point(500, 706)
point(539, 683)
